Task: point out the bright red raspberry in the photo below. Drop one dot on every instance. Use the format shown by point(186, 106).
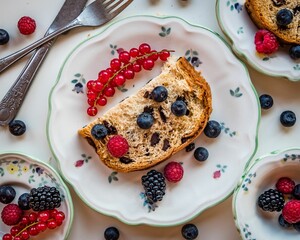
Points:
point(285, 185)
point(11, 214)
point(265, 42)
point(291, 211)
point(173, 172)
point(26, 25)
point(117, 146)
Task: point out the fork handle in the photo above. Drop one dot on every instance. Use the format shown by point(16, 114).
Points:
point(10, 59)
point(12, 101)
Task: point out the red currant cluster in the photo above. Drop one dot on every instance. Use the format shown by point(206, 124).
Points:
point(35, 223)
point(124, 67)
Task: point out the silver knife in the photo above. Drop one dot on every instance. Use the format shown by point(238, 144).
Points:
point(12, 101)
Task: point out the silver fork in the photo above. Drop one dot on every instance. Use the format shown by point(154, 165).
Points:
point(95, 14)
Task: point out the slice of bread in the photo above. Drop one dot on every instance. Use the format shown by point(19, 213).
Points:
point(169, 133)
point(263, 14)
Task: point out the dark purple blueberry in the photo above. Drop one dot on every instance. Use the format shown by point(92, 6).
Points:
point(7, 194)
point(145, 120)
point(282, 222)
point(17, 127)
point(179, 108)
point(111, 233)
point(288, 118)
point(284, 17)
point(99, 131)
point(266, 101)
point(23, 201)
point(201, 154)
point(189, 231)
point(297, 226)
point(294, 52)
point(159, 94)
point(4, 37)
point(190, 147)
point(296, 192)
point(212, 129)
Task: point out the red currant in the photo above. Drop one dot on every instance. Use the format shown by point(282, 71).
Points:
point(163, 55)
point(154, 55)
point(92, 111)
point(33, 230)
point(102, 101)
point(58, 223)
point(90, 84)
point(115, 64)
point(134, 52)
point(144, 48)
point(51, 224)
point(148, 64)
point(119, 80)
point(17, 238)
point(53, 212)
point(14, 230)
point(109, 91)
point(25, 220)
point(43, 216)
point(91, 94)
point(91, 102)
point(7, 236)
point(25, 235)
point(41, 227)
point(60, 216)
point(98, 86)
point(124, 57)
point(32, 217)
point(103, 76)
point(136, 67)
point(129, 74)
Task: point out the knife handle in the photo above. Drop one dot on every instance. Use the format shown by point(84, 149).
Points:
point(13, 99)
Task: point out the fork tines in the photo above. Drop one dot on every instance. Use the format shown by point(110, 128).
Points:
point(112, 6)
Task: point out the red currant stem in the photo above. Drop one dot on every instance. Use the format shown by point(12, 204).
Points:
point(125, 66)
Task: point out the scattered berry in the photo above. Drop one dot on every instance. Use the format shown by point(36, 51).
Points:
point(44, 198)
point(212, 129)
point(99, 131)
point(179, 108)
point(285, 185)
point(189, 231)
point(17, 127)
point(271, 200)
point(265, 42)
point(284, 17)
point(291, 211)
point(111, 233)
point(26, 25)
point(145, 120)
point(4, 37)
point(154, 185)
point(288, 118)
point(266, 101)
point(23, 201)
point(297, 226)
point(201, 154)
point(117, 146)
point(282, 222)
point(159, 94)
point(173, 172)
point(296, 192)
point(7, 194)
point(11, 214)
point(294, 52)
point(190, 147)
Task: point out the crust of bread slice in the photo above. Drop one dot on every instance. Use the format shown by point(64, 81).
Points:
point(263, 14)
point(169, 133)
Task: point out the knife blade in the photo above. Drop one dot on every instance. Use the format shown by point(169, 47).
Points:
point(13, 99)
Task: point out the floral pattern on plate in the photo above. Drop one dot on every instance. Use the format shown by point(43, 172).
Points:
point(236, 24)
point(118, 195)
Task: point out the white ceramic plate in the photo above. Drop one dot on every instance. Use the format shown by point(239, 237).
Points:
point(24, 173)
point(236, 24)
point(235, 106)
point(252, 223)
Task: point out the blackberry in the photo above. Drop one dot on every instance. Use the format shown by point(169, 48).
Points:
point(271, 200)
point(154, 185)
point(44, 198)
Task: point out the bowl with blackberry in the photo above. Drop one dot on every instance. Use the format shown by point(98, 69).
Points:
point(34, 201)
point(266, 202)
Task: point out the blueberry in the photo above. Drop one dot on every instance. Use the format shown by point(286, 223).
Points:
point(7, 194)
point(111, 233)
point(145, 120)
point(4, 37)
point(266, 101)
point(159, 94)
point(201, 154)
point(282, 222)
point(296, 192)
point(17, 127)
point(190, 147)
point(189, 231)
point(212, 129)
point(294, 52)
point(179, 108)
point(297, 226)
point(99, 131)
point(288, 118)
point(23, 201)
point(284, 17)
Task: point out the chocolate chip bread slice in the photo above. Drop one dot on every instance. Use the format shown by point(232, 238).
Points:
point(171, 127)
point(282, 17)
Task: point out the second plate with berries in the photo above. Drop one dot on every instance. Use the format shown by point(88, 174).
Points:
point(266, 202)
point(211, 166)
point(236, 24)
point(34, 200)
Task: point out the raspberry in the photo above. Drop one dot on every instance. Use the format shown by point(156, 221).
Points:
point(26, 25)
point(173, 172)
point(11, 214)
point(265, 42)
point(291, 211)
point(117, 146)
point(285, 185)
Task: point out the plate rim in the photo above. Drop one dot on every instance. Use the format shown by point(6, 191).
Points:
point(82, 42)
point(30, 159)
